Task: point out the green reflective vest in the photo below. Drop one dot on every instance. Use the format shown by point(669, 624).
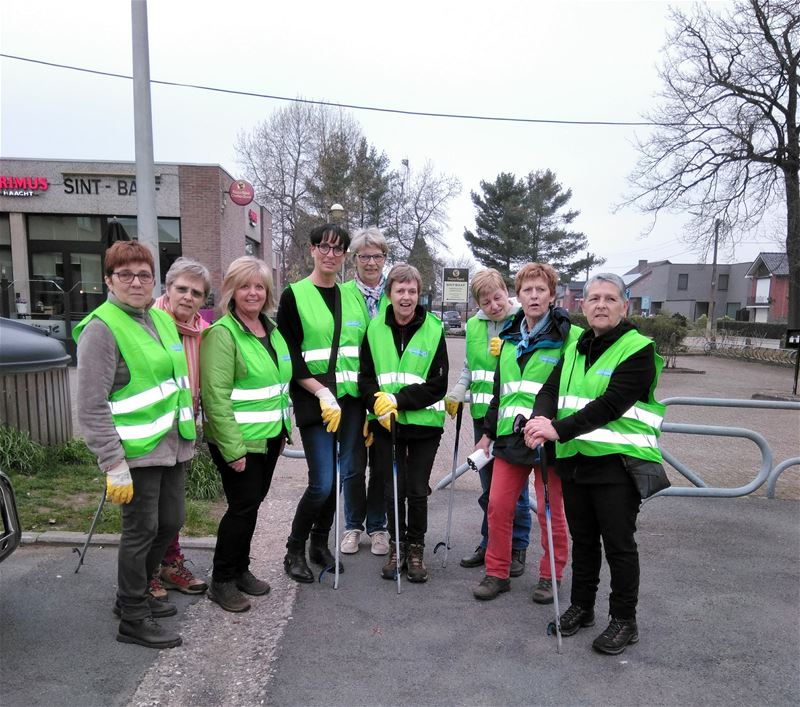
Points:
point(518, 389)
point(383, 302)
point(260, 400)
point(395, 372)
point(481, 365)
point(317, 321)
point(636, 432)
point(145, 409)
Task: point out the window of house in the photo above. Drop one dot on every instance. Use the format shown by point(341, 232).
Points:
point(683, 281)
point(722, 283)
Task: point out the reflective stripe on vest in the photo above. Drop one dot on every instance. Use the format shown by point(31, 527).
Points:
point(518, 389)
point(317, 321)
point(158, 392)
point(481, 363)
point(260, 404)
point(636, 431)
point(394, 372)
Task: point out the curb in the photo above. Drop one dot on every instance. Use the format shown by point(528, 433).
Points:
point(63, 537)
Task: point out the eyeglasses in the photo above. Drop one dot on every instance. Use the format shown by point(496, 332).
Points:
point(326, 248)
point(182, 290)
point(126, 277)
point(379, 258)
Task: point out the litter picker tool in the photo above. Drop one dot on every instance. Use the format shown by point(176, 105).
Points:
point(446, 542)
point(397, 544)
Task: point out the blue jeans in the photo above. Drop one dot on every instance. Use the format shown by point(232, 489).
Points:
point(521, 533)
point(315, 511)
point(362, 502)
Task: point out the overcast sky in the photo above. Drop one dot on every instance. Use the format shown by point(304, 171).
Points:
point(556, 60)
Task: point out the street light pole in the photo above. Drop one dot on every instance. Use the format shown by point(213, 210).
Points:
point(712, 300)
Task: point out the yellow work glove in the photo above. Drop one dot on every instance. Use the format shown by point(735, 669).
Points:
point(369, 438)
point(384, 404)
point(386, 420)
point(119, 484)
point(331, 412)
point(495, 344)
point(454, 398)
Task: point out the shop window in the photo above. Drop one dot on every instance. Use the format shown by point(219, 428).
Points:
point(722, 283)
point(6, 271)
point(44, 227)
point(683, 281)
point(169, 229)
point(251, 247)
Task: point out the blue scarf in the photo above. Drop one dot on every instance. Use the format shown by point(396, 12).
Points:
point(528, 337)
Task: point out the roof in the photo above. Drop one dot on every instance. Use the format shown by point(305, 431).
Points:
point(644, 265)
point(775, 264)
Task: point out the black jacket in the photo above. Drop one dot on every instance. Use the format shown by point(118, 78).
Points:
point(412, 397)
point(512, 447)
point(630, 382)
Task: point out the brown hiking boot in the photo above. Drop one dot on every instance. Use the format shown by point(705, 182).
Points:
point(417, 572)
point(389, 570)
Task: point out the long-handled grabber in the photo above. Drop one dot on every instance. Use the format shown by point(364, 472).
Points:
point(338, 490)
point(397, 544)
point(99, 510)
point(446, 542)
point(554, 627)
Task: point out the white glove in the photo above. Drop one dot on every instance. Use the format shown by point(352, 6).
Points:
point(119, 484)
point(331, 412)
point(454, 398)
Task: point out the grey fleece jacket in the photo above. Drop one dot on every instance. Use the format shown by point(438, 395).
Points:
point(101, 372)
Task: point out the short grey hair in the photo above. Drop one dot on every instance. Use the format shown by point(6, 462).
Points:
point(615, 280)
point(192, 268)
point(366, 237)
point(403, 272)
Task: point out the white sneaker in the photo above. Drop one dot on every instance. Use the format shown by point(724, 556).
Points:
point(350, 540)
point(380, 542)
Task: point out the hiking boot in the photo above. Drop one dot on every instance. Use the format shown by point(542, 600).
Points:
point(517, 563)
point(227, 595)
point(618, 634)
point(389, 570)
point(147, 632)
point(543, 591)
point(350, 541)
point(297, 568)
point(416, 570)
point(158, 609)
point(248, 583)
point(490, 587)
point(156, 588)
point(380, 542)
point(319, 554)
point(176, 575)
point(576, 618)
point(476, 559)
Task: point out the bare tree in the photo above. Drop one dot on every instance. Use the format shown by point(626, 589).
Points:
point(726, 145)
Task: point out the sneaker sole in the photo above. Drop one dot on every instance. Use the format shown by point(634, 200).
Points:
point(417, 580)
point(379, 551)
point(122, 638)
point(348, 551)
point(607, 651)
point(228, 607)
point(184, 590)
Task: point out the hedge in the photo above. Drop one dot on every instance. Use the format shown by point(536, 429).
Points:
point(756, 330)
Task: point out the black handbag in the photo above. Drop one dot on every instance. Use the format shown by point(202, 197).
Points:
point(649, 477)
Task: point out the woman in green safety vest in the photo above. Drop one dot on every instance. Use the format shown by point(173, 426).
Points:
point(598, 406)
point(403, 373)
point(365, 505)
point(483, 345)
point(135, 412)
point(246, 369)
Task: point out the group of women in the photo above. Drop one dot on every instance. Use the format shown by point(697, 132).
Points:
point(366, 369)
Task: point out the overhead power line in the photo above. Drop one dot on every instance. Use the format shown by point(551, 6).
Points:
point(350, 106)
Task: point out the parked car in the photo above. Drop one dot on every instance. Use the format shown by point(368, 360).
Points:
point(451, 319)
point(12, 530)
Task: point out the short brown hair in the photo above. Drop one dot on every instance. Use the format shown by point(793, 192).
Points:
point(533, 270)
point(486, 282)
point(239, 273)
point(402, 272)
point(125, 252)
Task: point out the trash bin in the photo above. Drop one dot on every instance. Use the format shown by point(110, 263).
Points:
point(34, 383)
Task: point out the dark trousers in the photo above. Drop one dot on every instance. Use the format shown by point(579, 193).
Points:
point(607, 512)
point(244, 492)
point(149, 523)
point(414, 464)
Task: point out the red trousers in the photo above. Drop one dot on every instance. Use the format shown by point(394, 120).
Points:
point(508, 481)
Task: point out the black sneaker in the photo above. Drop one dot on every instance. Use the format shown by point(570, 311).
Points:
point(476, 559)
point(517, 563)
point(250, 584)
point(576, 618)
point(490, 587)
point(620, 633)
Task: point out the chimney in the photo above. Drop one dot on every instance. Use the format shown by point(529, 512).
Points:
point(642, 265)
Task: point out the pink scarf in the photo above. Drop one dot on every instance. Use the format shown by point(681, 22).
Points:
point(190, 338)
